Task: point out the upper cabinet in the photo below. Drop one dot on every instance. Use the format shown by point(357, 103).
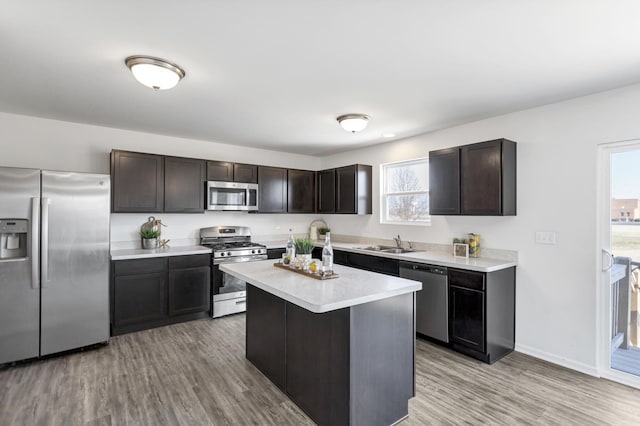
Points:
point(137, 182)
point(353, 189)
point(247, 173)
point(223, 171)
point(301, 191)
point(444, 181)
point(154, 183)
point(183, 185)
point(220, 171)
point(326, 191)
point(272, 192)
point(474, 180)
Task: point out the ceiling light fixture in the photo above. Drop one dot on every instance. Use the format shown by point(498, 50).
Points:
point(154, 72)
point(353, 122)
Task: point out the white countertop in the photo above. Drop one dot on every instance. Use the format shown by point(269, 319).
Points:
point(432, 257)
point(480, 264)
point(127, 254)
point(353, 287)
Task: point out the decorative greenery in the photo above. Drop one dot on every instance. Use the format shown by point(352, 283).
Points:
point(148, 234)
point(304, 245)
point(323, 230)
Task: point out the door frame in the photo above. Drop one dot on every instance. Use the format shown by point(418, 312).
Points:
point(603, 240)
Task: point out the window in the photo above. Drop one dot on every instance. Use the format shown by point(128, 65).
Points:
point(405, 192)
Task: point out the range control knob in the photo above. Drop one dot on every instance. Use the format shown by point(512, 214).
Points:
point(253, 252)
point(221, 254)
point(228, 253)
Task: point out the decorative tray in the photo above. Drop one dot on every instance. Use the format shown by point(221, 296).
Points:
point(307, 273)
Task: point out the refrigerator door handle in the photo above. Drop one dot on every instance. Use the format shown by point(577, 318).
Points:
point(35, 244)
point(44, 254)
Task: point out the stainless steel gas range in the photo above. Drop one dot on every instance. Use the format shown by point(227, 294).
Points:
point(229, 244)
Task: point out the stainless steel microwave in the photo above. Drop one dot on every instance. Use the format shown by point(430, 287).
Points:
point(232, 196)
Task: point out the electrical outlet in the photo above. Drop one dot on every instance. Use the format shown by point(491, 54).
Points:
point(546, 237)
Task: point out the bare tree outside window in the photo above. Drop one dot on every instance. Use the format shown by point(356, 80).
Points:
point(405, 192)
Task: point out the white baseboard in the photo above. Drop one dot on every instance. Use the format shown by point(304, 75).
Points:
point(564, 362)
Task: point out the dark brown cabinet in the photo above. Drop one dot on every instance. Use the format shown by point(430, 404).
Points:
point(183, 185)
point(247, 173)
point(272, 193)
point(137, 182)
point(224, 171)
point(353, 189)
point(301, 191)
point(482, 313)
point(220, 171)
point(139, 287)
point(189, 284)
point(485, 184)
point(444, 182)
point(147, 293)
point(326, 191)
point(154, 183)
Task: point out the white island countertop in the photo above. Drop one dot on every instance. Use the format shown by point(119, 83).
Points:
point(353, 287)
point(126, 254)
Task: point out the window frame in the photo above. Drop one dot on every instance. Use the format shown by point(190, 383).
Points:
point(384, 195)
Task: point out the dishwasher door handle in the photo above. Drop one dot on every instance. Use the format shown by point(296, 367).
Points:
point(428, 269)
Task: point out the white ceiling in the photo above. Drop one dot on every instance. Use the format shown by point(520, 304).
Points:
point(275, 74)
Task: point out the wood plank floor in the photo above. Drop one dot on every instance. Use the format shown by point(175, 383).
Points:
point(195, 373)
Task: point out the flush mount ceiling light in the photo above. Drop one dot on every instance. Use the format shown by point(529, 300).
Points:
point(154, 72)
point(353, 122)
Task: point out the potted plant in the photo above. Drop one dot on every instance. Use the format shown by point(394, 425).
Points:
point(149, 238)
point(304, 247)
point(323, 230)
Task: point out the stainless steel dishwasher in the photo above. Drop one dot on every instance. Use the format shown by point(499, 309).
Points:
point(432, 307)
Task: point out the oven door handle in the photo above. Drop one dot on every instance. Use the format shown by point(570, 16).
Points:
point(218, 261)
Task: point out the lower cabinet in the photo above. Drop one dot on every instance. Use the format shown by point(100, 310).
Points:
point(147, 293)
point(482, 313)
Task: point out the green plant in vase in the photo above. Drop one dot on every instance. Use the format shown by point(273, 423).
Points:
point(304, 245)
point(323, 230)
point(149, 238)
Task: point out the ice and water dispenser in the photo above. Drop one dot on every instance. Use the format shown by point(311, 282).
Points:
point(13, 238)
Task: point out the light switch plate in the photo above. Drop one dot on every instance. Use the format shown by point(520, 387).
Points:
point(546, 237)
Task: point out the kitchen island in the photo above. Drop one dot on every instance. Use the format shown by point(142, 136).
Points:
point(342, 349)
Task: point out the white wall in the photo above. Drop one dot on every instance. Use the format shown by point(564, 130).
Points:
point(58, 145)
point(556, 191)
point(557, 156)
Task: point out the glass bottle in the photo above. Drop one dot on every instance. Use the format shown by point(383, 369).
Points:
point(327, 255)
point(291, 247)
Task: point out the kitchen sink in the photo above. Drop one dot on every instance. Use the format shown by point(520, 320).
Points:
point(387, 249)
point(376, 248)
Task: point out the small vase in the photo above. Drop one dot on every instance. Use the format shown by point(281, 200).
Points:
point(149, 243)
point(301, 260)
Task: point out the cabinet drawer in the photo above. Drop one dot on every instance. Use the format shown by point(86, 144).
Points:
point(139, 266)
point(466, 279)
point(190, 261)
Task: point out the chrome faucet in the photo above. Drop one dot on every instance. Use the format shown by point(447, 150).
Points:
point(398, 241)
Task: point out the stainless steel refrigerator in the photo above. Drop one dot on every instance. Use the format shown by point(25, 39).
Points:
point(54, 262)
